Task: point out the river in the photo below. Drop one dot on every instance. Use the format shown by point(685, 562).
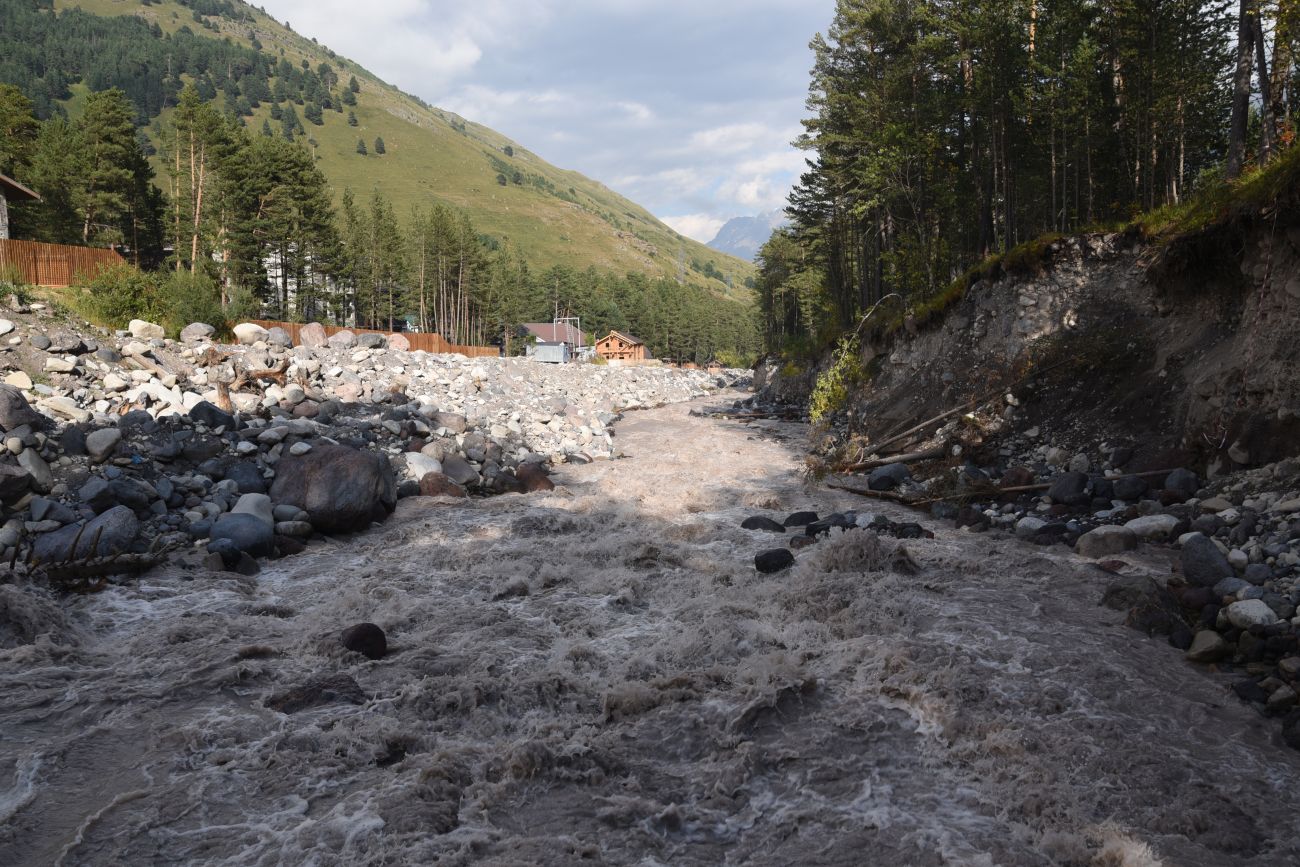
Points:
point(598, 675)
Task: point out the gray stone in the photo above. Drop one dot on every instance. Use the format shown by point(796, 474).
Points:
point(1204, 565)
point(277, 336)
point(1251, 612)
point(15, 411)
point(258, 505)
point(33, 463)
point(459, 471)
point(1184, 482)
point(342, 340)
point(1208, 646)
point(101, 443)
point(1070, 489)
point(196, 332)
point(342, 489)
point(419, 464)
point(249, 333)
point(313, 335)
point(1106, 541)
point(888, 477)
point(14, 482)
point(115, 529)
point(249, 533)
point(1153, 527)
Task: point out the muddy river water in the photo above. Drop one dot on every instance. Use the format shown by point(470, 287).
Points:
point(598, 675)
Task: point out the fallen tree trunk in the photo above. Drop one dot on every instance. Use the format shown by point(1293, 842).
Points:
point(923, 455)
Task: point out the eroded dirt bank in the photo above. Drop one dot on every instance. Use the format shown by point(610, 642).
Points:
point(599, 675)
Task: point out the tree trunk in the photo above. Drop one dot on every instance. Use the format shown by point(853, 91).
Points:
point(1241, 90)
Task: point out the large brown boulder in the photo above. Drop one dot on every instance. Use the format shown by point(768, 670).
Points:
point(312, 334)
point(438, 485)
point(342, 489)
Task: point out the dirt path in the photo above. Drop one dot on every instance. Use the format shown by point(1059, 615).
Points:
point(598, 675)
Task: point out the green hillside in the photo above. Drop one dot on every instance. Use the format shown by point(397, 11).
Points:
point(552, 216)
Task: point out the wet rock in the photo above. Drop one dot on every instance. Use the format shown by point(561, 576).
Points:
point(317, 692)
point(101, 443)
point(342, 489)
point(1203, 563)
point(1151, 608)
point(438, 485)
point(888, 477)
point(258, 505)
point(367, 639)
point(248, 533)
point(115, 529)
point(1208, 646)
point(15, 411)
point(1070, 488)
point(761, 522)
point(246, 476)
point(1106, 541)
point(800, 519)
point(773, 561)
point(534, 478)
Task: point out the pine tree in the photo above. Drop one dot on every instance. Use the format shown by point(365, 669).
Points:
point(266, 128)
point(353, 85)
point(379, 145)
point(361, 146)
point(18, 131)
point(349, 98)
point(352, 119)
point(313, 114)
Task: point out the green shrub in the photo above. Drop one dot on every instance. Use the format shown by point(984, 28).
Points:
point(830, 393)
point(186, 298)
point(119, 294)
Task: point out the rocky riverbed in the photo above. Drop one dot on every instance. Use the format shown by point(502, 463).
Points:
point(129, 444)
point(598, 673)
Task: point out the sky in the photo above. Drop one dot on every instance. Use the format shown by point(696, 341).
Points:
point(687, 107)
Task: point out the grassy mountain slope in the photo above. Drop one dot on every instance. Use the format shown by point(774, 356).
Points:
point(553, 216)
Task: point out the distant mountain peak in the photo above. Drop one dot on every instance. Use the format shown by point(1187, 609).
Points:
point(743, 236)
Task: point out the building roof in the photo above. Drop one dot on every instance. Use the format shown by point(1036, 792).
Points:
point(14, 190)
point(549, 333)
point(626, 338)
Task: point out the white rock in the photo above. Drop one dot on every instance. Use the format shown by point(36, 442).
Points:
point(142, 330)
point(54, 364)
point(1251, 612)
point(100, 443)
point(19, 379)
point(299, 448)
point(1153, 527)
point(113, 382)
point(420, 465)
point(5, 327)
point(249, 333)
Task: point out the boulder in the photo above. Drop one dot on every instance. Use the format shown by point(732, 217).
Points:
point(459, 470)
point(1070, 489)
point(419, 465)
point(1208, 646)
point(115, 529)
point(248, 533)
point(453, 422)
point(100, 443)
point(1183, 482)
point(1156, 528)
point(258, 505)
point(142, 330)
point(1106, 541)
point(1251, 612)
point(249, 333)
point(277, 336)
point(399, 343)
point(367, 340)
point(761, 522)
point(212, 415)
point(247, 477)
point(1204, 565)
point(1130, 488)
point(534, 477)
point(14, 482)
point(196, 332)
point(342, 340)
point(19, 379)
point(773, 561)
point(801, 519)
point(438, 485)
point(342, 489)
point(888, 477)
point(366, 639)
point(15, 411)
point(312, 335)
point(42, 477)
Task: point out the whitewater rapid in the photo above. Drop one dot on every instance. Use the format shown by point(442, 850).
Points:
point(598, 675)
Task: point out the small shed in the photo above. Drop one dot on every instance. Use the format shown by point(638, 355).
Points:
point(11, 190)
point(617, 346)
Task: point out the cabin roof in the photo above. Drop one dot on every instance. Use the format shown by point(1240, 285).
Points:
point(14, 190)
point(626, 338)
point(550, 333)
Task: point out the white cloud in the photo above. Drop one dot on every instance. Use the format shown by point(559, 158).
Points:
point(701, 227)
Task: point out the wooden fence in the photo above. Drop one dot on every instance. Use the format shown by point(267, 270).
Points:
point(54, 265)
point(427, 342)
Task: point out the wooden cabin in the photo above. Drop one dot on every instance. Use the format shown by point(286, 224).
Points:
point(617, 346)
point(11, 191)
